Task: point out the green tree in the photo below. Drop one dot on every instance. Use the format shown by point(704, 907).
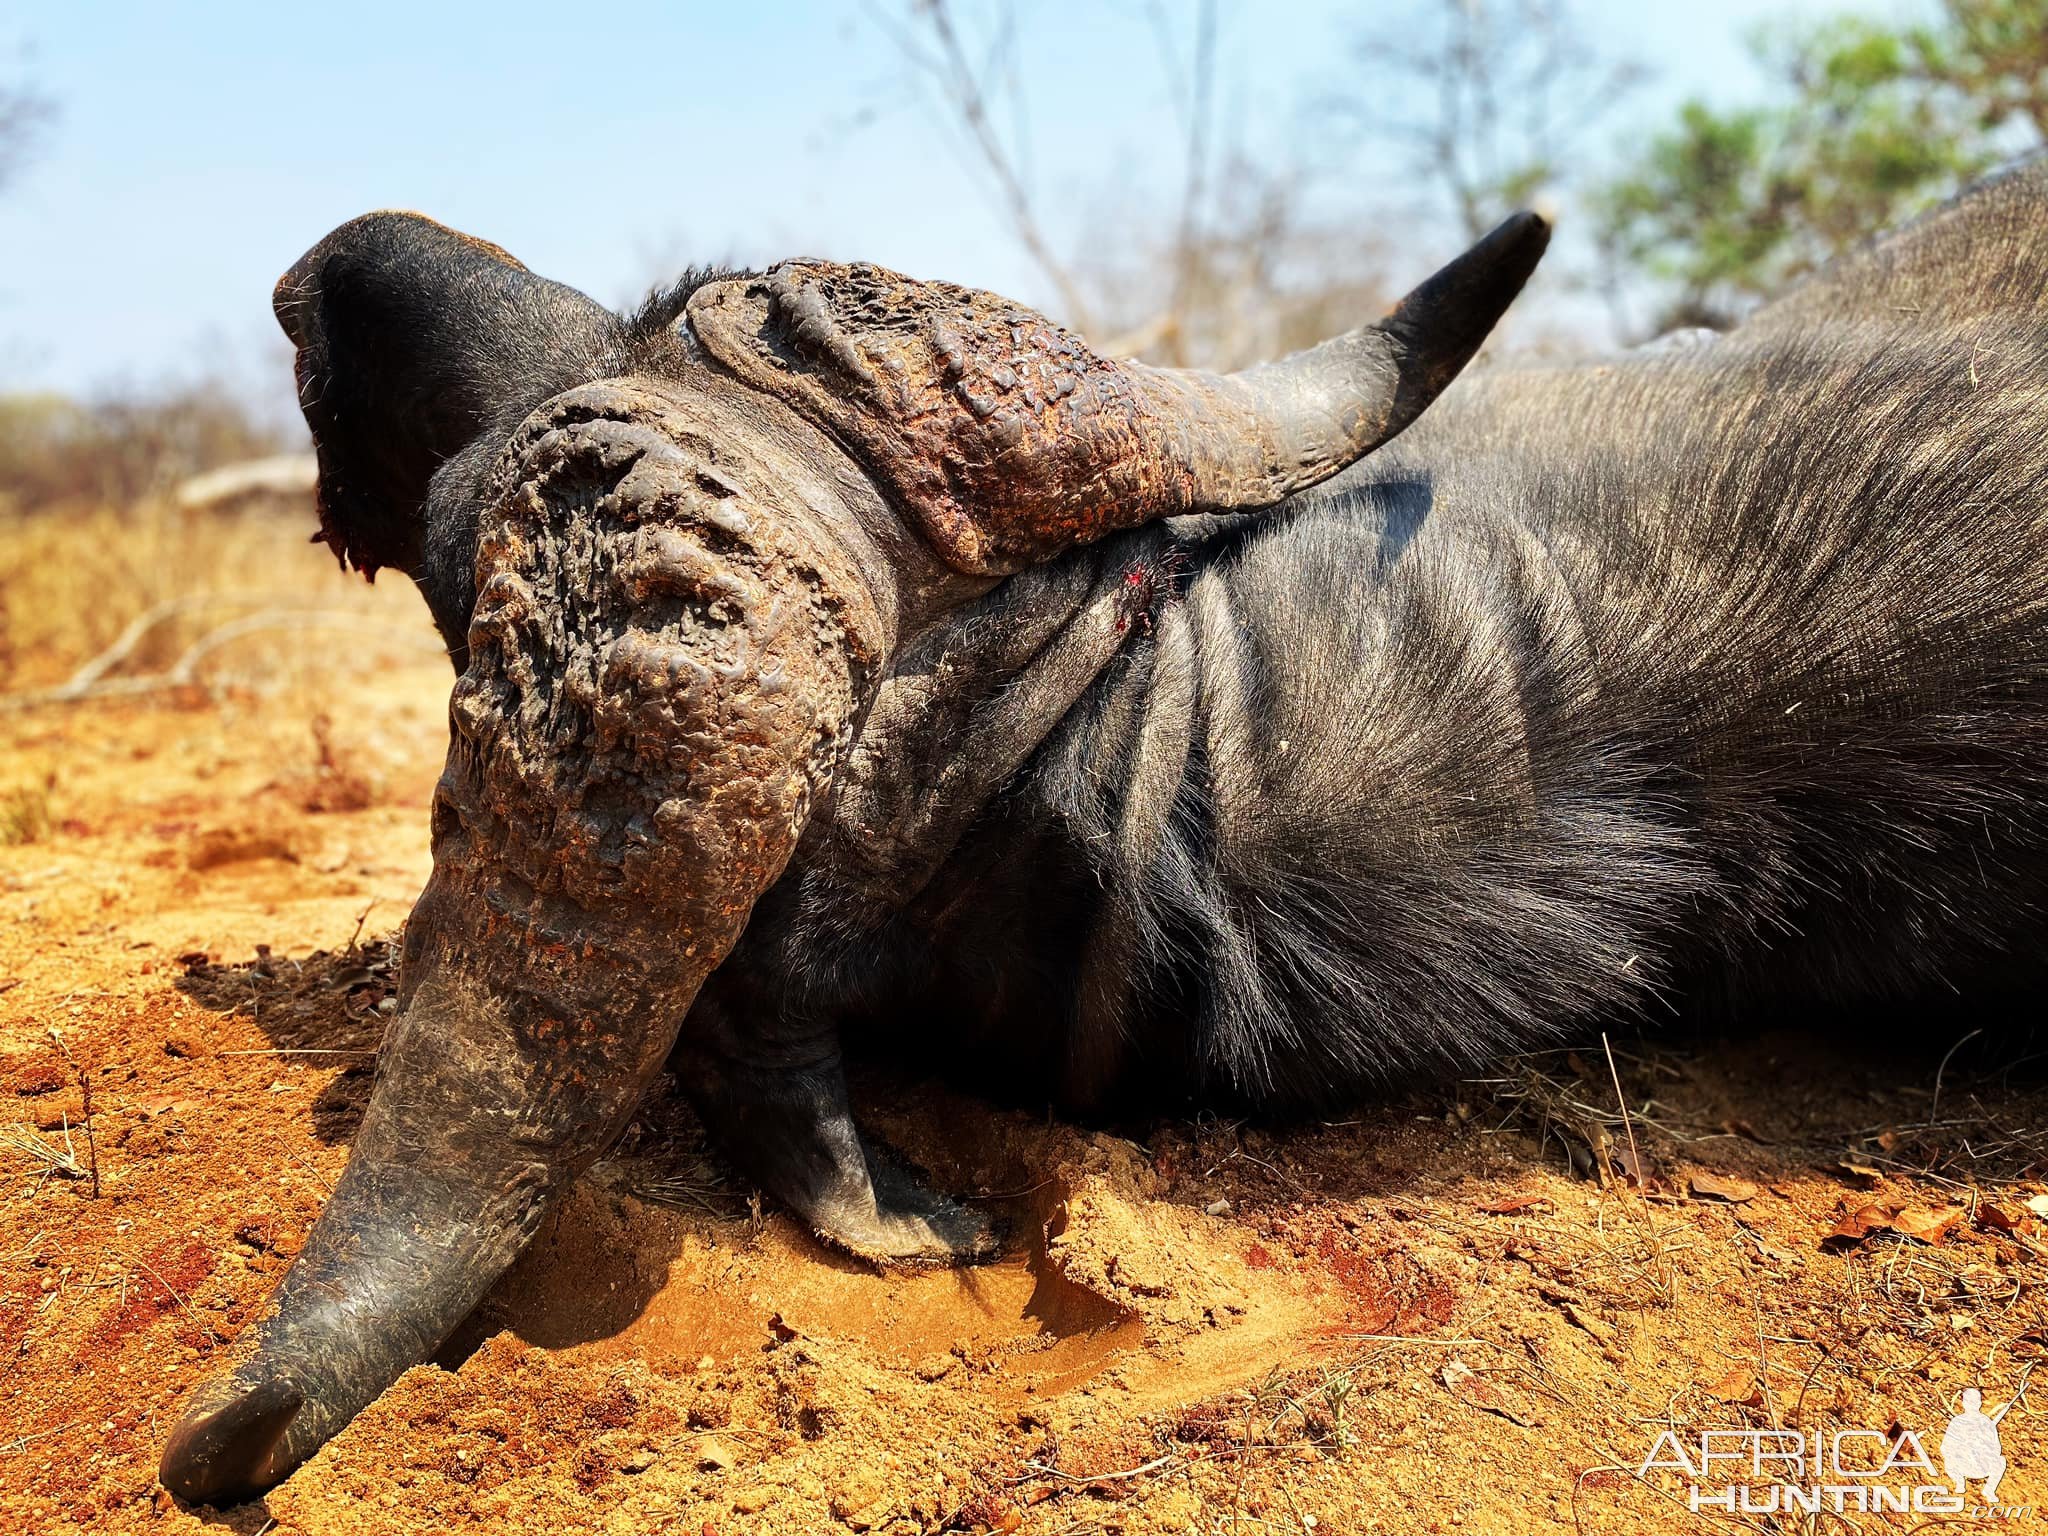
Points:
point(1995, 52)
point(1872, 124)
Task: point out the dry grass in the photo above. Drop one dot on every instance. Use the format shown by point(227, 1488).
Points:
point(221, 589)
point(44, 1156)
point(25, 813)
point(233, 612)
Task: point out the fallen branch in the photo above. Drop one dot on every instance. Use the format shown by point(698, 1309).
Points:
point(81, 683)
point(1038, 1469)
point(90, 681)
point(185, 670)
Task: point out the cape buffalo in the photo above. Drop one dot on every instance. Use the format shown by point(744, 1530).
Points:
point(841, 654)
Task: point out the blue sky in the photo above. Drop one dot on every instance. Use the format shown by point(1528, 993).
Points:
point(201, 148)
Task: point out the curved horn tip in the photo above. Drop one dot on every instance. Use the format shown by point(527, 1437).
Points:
point(1463, 300)
point(1517, 243)
point(225, 1454)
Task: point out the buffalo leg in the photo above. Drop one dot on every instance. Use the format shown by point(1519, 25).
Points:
point(771, 1092)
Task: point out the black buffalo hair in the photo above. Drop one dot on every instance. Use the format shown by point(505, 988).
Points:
point(1703, 681)
point(665, 303)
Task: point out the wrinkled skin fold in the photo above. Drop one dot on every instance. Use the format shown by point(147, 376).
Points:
point(689, 568)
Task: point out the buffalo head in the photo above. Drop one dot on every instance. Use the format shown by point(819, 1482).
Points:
point(672, 558)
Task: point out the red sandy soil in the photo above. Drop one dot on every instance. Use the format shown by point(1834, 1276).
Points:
point(1458, 1311)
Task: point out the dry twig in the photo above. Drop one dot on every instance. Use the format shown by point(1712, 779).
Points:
point(85, 1095)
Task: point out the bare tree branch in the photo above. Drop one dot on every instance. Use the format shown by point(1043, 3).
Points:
point(1243, 275)
point(1510, 88)
point(23, 115)
point(1200, 109)
point(965, 92)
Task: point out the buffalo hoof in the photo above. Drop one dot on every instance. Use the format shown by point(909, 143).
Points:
point(904, 1223)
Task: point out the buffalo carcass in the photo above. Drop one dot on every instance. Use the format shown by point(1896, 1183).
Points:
point(872, 650)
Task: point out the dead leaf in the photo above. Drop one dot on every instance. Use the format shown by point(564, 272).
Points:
point(1738, 1385)
point(1925, 1223)
point(1922, 1223)
point(1469, 1386)
point(1772, 1254)
point(1862, 1172)
point(1746, 1385)
point(1994, 1218)
point(1887, 1141)
point(2038, 1204)
point(1708, 1186)
point(1516, 1205)
point(1856, 1226)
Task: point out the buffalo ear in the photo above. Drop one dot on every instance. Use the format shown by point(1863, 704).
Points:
point(412, 338)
